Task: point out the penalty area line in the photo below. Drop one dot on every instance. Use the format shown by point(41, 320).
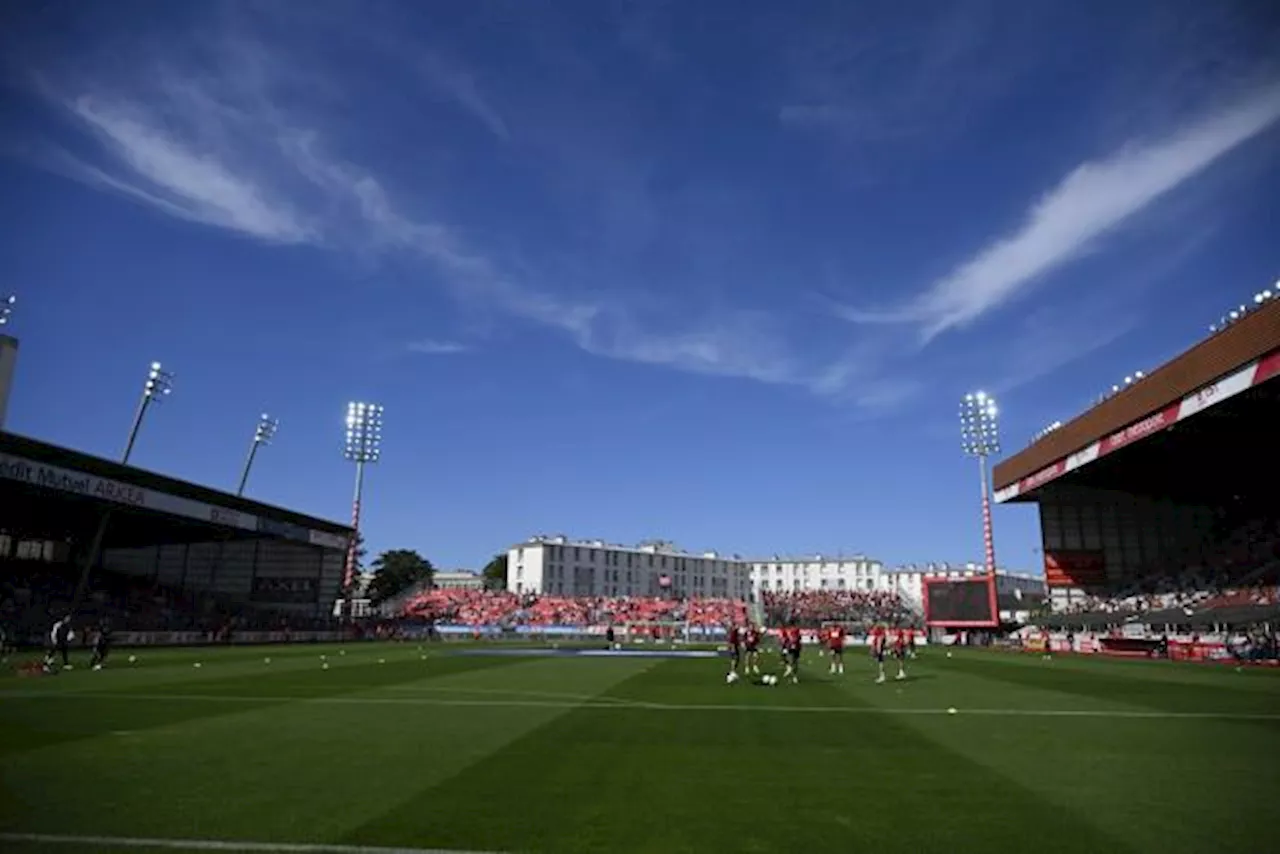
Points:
point(622, 704)
point(216, 845)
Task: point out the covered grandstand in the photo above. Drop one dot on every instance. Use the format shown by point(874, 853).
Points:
point(174, 556)
point(1159, 505)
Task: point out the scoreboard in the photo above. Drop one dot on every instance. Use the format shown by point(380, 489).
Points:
point(960, 602)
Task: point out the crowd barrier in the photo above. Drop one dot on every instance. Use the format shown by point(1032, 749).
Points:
point(1209, 649)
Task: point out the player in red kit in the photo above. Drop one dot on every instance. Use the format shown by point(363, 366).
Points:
point(879, 643)
point(835, 642)
point(900, 643)
point(752, 643)
point(790, 638)
point(735, 651)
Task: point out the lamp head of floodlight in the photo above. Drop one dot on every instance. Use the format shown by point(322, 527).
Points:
point(266, 429)
point(979, 424)
point(6, 308)
point(364, 432)
point(159, 383)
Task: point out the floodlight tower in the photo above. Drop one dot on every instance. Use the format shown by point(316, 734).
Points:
point(364, 445)
point(8, 355)
point(262, 435)
point(157, 387)
point(980, 437)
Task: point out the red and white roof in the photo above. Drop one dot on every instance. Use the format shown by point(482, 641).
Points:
point(1253, 374)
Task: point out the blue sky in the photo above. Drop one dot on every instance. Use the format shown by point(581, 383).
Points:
point(714, 272)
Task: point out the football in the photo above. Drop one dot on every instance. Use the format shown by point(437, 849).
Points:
point(769, 679)
point(730, 678)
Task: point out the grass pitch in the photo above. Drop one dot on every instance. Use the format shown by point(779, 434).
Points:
point(386, 748)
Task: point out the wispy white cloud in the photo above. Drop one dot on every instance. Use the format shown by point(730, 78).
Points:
point(153, 166)
point(1093, 200)
point(252, 172)
point(459, 85)
point(432, 347)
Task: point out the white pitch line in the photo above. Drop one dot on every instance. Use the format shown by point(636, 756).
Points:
point(215, 845)
point(619, 704)
point(507, 692)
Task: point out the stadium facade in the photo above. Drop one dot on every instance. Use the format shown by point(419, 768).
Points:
point(1160, 471)
point(196, 541)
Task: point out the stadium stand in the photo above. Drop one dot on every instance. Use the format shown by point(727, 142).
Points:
point(509, 610)
point(174, 557)
point(811, 608)
point(1158, 511)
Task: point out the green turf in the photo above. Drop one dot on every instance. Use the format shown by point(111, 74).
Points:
point(388, 748)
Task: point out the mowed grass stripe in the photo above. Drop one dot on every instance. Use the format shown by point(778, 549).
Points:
point(630, 780)
point(1111, 682)
point(309, 770)
point(104, 844)
point(1125, 768)
point(29, 725)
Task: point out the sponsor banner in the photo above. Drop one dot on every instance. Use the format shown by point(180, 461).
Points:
point(203, 638)
point(1255, 373)
point(456, 629)
point(1140, 430)
point(280, 590)
point(327, 540)
point(233, 519)
point(1075, 568)
point(562, 630)
point(288, 530)
point(1215, 393)
point(1080, 458)
point(105, 489)
point(1198, 651)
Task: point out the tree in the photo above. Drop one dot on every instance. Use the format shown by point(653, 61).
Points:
point(395, 571)
point(495, 573)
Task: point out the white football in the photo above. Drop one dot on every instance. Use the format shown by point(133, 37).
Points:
point(730, 678)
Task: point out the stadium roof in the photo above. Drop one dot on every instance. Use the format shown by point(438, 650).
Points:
point(1233, 361)
point(77, 479)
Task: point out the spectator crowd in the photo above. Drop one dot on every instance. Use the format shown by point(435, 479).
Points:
point(509, 610)
point(811, 608)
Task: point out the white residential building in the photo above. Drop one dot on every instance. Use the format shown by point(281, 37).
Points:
point(560, 566)
point(563, 567)
point(815, 572)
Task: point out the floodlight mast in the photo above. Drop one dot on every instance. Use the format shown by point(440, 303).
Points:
point(364, 445)
point(980, 437)
point(262, 435)
point(158, 386)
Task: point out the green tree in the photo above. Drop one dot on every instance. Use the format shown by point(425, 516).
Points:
point(495, 573)
point(397, 570)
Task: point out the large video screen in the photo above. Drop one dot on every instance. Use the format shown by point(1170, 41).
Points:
point(965, 602)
